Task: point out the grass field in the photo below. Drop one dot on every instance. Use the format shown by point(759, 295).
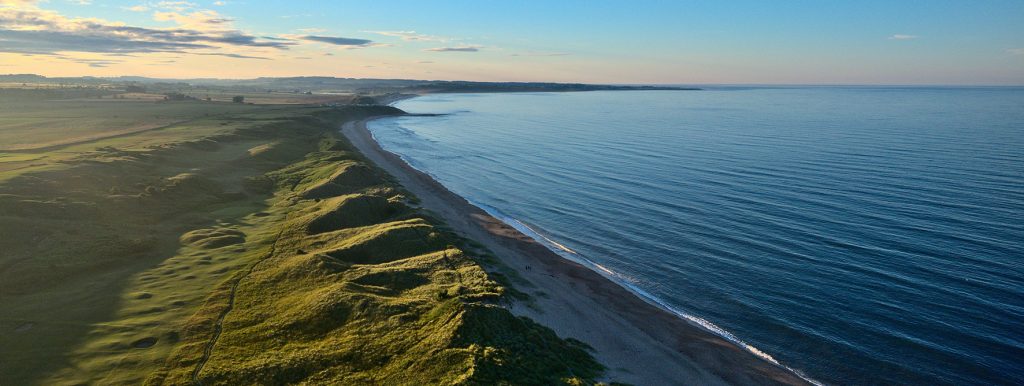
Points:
point(238, 244)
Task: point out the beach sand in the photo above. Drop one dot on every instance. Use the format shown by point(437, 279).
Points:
point(640, 343)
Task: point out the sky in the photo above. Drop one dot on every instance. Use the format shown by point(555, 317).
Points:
point(595, 41)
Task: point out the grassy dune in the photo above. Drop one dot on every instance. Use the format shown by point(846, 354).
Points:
point(248, 247)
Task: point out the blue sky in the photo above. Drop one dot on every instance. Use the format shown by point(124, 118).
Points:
point(690, 42)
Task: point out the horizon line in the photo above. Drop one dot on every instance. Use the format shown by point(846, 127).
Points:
point(767, 84)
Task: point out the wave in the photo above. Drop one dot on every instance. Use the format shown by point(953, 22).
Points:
point(624, 281)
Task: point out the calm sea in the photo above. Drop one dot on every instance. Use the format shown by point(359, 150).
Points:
point(862, 235)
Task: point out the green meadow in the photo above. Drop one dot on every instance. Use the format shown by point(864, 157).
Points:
point(193, 242)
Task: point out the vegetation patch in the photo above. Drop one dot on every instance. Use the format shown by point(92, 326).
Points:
point(213, 238)
point(349, 177)
point(249, 249)
point(352, 211)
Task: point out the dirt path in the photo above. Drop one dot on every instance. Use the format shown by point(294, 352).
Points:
point(218, 327)
point(640, 343)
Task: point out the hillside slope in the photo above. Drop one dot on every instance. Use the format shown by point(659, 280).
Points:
point(266, 253)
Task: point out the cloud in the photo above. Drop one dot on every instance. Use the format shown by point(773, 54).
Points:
point(27, 29)
point(97, 63)
point(236, 56)
point(537, 53)
point(464, 48)
point(201, 20)
point(178, 6)
point(902, 37)
point(1015, 51)
point(48, 42)
point(424, 62)
point(336, 40)
point(411, 36)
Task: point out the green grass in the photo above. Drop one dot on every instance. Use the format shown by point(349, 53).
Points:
point(252, 248)
point(103, 225)
point(27, 125)
point(39, 134)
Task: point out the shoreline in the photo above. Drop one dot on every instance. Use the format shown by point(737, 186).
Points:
point(573, 256)
point(392, 98)
point(639, 341)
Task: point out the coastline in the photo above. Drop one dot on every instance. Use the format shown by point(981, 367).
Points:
point(640, 342)
point(392, 98)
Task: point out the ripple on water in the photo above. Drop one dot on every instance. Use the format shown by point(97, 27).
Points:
point(861, 235)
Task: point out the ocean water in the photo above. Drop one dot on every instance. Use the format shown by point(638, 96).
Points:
point(861, 235)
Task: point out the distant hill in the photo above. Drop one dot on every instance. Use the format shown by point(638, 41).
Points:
point(332, 84)
point(33, 78)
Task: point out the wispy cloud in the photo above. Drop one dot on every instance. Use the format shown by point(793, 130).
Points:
point(462, 48)
point(236, 56)
point(96, 63)
point(178, 6)
point(336, 40)
point(1015, 51)
point(200, 20)
point(411, 36)
point(16, 3)
point(902, 37)
point(540, 53)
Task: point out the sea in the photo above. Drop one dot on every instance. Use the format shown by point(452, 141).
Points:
point(857, 235)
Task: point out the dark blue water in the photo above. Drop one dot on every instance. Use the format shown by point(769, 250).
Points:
point(860, 235)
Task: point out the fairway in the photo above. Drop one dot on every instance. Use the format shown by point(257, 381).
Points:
point(38, 132)
point(29, 124)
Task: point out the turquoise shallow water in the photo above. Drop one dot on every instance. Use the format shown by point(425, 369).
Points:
point(863, 235)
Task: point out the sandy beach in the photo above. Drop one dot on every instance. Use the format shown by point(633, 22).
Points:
point(640, 343)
